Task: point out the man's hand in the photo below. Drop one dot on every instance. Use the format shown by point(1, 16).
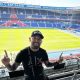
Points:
point(6, 59)
point(60, 58)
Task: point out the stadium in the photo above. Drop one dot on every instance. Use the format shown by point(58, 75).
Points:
point(60, 26)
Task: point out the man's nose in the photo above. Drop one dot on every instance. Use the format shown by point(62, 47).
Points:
point(36, 40)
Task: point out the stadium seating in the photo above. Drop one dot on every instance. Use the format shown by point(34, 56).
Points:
point(37, 18)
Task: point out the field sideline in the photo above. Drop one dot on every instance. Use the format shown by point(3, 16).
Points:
point(17, 39)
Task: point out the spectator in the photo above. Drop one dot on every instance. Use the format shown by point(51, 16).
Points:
point(32, 58)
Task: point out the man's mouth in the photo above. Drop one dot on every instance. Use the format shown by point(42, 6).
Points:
point(36, 44)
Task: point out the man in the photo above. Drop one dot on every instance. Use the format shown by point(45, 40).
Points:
point(32, 58)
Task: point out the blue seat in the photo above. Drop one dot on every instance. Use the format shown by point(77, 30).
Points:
point(21, 16)
point(5, 16)
point(27, 23)
point(36, 16)
point(41, 24)
point(34, 24)
point(48, 25)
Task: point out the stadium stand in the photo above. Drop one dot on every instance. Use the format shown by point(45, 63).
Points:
point(32, 17)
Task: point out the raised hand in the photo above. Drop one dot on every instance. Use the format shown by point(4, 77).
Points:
point(60, 58)
point(6, 59)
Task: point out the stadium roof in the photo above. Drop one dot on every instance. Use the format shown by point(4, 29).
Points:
point(65, 10)
point(54, 3)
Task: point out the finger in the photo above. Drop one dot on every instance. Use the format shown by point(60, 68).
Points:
point(6, 54)
point(61, 55)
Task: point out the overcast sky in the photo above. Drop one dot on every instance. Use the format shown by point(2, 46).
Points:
point(58, 3)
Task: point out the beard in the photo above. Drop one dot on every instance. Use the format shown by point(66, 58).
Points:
point(36, 45)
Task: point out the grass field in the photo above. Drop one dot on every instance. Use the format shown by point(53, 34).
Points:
point(17, 39)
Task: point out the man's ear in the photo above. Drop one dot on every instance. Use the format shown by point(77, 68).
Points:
point(30, 39)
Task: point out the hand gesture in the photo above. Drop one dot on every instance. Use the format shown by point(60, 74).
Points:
point(6, 59)
point(60, 58)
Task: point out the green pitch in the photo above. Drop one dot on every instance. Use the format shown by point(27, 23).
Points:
point(17, 39)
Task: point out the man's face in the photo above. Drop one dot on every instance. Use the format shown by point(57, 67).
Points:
point(35, 42)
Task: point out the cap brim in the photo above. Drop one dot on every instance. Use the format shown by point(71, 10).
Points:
point(41, 36)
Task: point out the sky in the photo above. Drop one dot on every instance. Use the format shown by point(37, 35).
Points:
point(54, 3)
